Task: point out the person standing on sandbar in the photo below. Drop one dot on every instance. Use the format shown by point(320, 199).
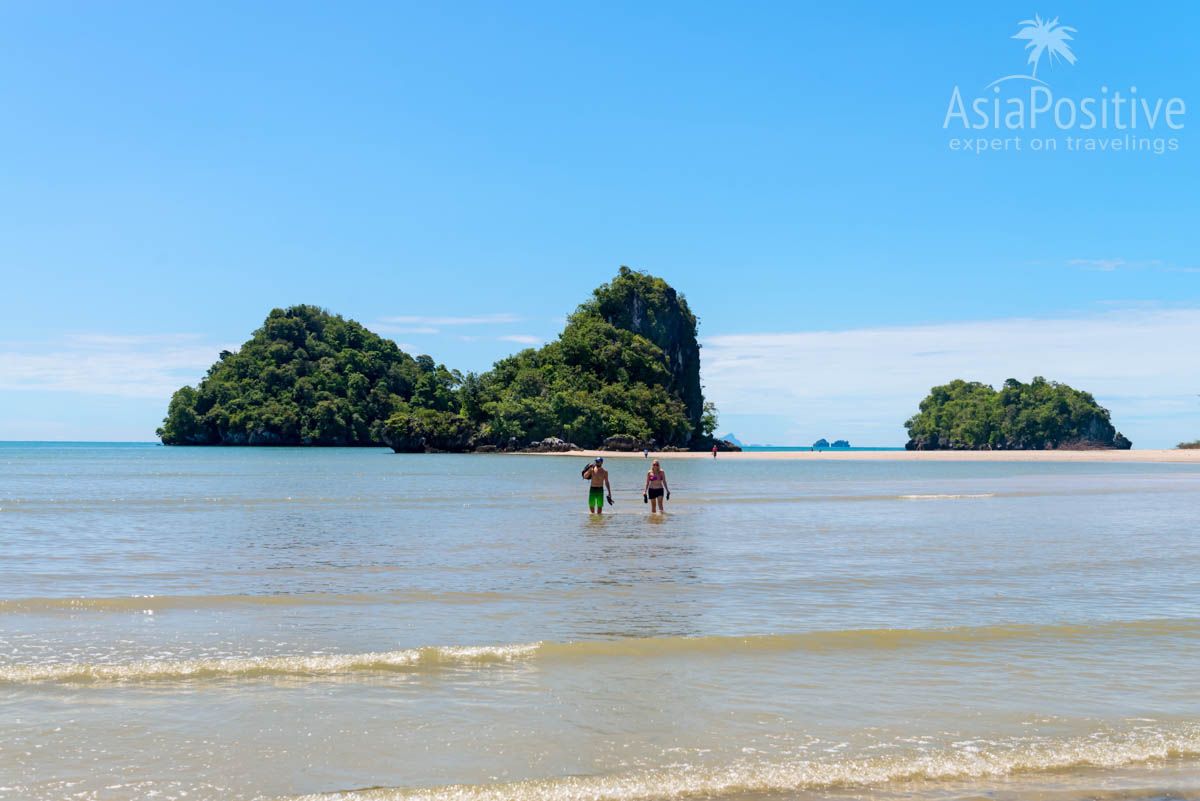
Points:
point(598, 476)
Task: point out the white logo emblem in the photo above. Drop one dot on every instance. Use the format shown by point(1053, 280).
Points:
point(1043, 37)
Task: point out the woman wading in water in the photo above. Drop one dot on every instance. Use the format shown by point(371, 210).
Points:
point(656, 485)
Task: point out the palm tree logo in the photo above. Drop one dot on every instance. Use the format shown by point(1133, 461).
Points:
point(1043, 38)
point(1046, 37)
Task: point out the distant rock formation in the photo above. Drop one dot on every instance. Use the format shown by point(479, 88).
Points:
point(552, 445)
point(626, 366)
point(1040, 415)
point(417, 430)
point(624, 442)
point(306, 377)
point(649, 307)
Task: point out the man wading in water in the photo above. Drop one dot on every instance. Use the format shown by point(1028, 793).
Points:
point(596, 473)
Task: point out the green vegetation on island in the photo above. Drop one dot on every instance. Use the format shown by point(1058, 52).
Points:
point(306, 377)
point(1040, 415)
point(627, 364)
point(1189, 445)
point(625, 370)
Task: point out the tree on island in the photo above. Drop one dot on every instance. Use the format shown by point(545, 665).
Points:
point(1040, 415)
point(627, 365)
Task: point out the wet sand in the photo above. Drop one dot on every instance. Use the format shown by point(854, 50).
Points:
point(1176, 456)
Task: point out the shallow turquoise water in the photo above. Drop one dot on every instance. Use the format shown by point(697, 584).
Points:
point(241, 623)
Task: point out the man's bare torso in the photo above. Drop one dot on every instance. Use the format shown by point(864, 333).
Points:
point(599, 474)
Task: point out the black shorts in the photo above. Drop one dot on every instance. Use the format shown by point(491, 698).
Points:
point(656, 493)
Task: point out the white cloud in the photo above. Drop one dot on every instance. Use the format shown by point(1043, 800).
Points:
point(522, 339)
point(423, 320)
point(128, 340)
point(107, 364)
point(1112, 265)
point(425, 324)
point(386, 328)
point(1103, 265)
point(862, 384)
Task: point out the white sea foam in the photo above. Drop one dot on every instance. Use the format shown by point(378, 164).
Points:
point(433, 658)
point(247, 667)
point(1101, 749)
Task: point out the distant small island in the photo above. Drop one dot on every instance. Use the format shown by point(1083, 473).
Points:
point(1040, 415)
point(824, 443)
point(624, 374)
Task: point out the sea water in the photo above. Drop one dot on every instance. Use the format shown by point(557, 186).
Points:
point(273, 623)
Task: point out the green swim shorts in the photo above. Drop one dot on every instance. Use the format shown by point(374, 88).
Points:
point(595, 498)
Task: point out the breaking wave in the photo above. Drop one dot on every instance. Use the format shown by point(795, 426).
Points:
point(434, 658)
point(1102, 749)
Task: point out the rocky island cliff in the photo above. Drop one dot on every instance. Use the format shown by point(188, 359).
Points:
point(624, 372)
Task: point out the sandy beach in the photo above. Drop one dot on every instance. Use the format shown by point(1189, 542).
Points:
point(1175, 456)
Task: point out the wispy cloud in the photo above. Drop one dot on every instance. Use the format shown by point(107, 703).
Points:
point(426, 320)
point(386, 328)
point(865, 382)
point(520, 339)
point(432, 324)
point(1101, 265)
point(139, 366)
point(1145, 265)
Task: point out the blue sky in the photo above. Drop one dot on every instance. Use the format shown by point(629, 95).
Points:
point(459, 178)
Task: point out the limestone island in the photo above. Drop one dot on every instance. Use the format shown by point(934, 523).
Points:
point(624, 374)
point(1040, 415)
